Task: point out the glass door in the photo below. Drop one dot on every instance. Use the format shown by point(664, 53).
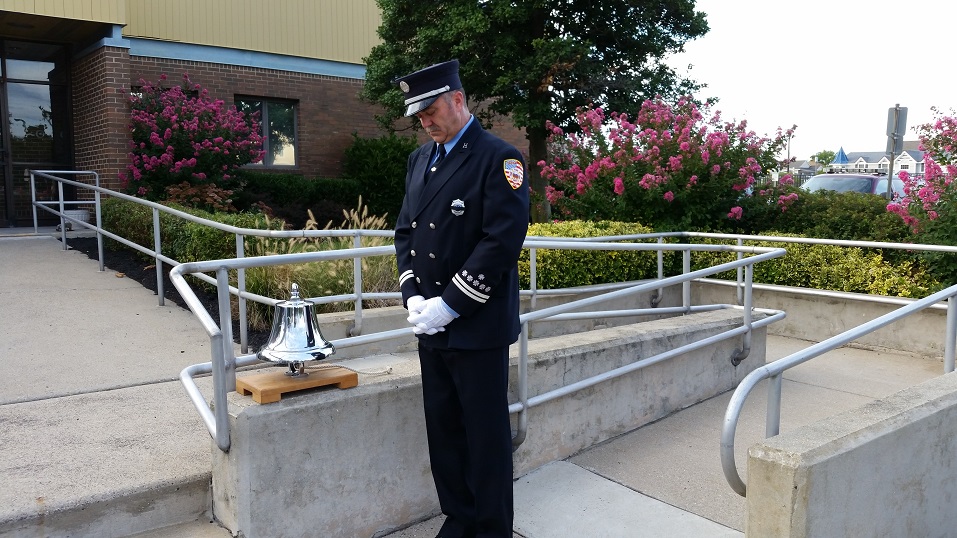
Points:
point(36, 135)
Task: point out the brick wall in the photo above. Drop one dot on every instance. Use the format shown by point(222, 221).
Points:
point(101, 92)
point(330, 110)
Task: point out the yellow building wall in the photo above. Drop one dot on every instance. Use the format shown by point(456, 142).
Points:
point(337, 30)
point(109, 11)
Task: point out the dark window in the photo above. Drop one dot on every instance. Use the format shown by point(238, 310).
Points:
point(277, 121)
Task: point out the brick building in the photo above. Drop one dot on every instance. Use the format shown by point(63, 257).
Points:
point(68, 69)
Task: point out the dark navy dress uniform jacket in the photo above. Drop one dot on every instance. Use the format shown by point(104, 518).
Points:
point(459, 236)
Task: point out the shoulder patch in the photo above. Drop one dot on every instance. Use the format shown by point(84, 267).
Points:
point(514, 172)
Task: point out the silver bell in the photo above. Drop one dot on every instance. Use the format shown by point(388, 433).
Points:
point(295, 338)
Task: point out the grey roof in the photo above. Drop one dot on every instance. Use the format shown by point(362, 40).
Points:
point(876, 156)
point(917, 155)
point(868, 156)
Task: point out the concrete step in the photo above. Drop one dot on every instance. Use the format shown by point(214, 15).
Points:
point(109, 463)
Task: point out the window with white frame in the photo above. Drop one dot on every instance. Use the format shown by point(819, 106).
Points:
point(277, 125)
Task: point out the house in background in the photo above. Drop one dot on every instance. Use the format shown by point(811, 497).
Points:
point(67, 69)
point(877, 162)
point(910, 160)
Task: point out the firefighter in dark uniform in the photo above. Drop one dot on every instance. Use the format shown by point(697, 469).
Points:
point(458, 237)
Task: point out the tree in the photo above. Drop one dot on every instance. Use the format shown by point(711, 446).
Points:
point(537, 60)
point(824, 157)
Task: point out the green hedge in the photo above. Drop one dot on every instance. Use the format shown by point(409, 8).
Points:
point(829, 267)
point(290, 197)
point(182, 240)
point(570, 268)
point(379, 166)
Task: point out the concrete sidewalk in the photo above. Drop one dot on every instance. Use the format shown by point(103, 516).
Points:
point(96, 426)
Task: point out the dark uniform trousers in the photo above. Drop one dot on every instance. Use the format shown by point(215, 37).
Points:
point(458, 236)
point(470, 438)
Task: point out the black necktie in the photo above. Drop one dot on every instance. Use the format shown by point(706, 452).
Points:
point(435, 165)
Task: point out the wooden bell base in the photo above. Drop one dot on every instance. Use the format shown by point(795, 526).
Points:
point(269, 387)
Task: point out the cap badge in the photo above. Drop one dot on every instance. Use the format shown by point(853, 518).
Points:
point(514, 172)
point(458, 207)
point(404, 86)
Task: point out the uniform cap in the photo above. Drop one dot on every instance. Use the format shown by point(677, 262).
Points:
point(423, 87)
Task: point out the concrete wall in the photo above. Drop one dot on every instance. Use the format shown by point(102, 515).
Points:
point(819, 318)
point(354, 462)
point(885, 469)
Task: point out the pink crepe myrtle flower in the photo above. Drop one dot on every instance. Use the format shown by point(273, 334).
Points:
point(619, 186)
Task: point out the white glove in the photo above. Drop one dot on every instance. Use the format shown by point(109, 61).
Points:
point(415, 304)
point(434, 315)
point(418, 329)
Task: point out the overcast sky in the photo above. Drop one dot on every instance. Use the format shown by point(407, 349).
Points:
point(834, 67)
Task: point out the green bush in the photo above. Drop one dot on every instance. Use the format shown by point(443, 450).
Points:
point(829, 267)
point(182, 240)
point(570, 268)
point(290, 197)
point(379, 165)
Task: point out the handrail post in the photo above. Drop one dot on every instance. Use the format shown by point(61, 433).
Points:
point(226, 327)
point(772, 425)
point(224, 363)
point(739, 272)
point(357, 285)
point(522, 419)
point(686, 285)
point(748, 306)
point(241, 286)
point(99, 221)
point(59, 185)
point(158, 251)
point(951, 334)
point(533, 274)
point(660, 293)
point(33, 201)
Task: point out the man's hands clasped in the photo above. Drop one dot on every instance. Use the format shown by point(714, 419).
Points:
point(428, 316)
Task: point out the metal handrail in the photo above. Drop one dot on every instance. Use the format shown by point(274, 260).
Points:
point(160, 259)
point(224, 363)
point(773, 372)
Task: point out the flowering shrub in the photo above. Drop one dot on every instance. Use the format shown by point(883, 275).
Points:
point(675, 167)
point(928, 204)
point(925, 197)
point(180, 134)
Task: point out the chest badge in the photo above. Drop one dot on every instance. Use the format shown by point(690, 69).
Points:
point(458, 207)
